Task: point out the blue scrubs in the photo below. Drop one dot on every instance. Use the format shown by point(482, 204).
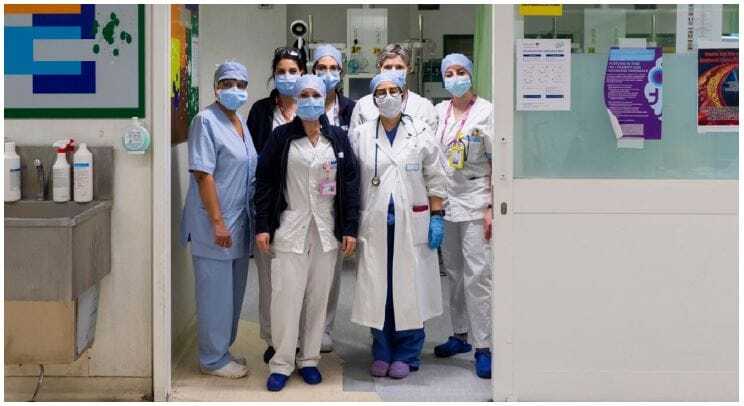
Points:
point(217, 149)
point(387, 344)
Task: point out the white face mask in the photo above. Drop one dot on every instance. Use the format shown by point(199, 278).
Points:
point(390, 106)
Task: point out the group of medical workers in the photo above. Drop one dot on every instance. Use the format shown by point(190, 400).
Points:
point(312, 177)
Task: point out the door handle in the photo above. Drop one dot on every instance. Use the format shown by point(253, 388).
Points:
point(503, 208)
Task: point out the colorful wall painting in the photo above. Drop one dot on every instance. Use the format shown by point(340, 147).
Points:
point(184, 69)
point(74, 60)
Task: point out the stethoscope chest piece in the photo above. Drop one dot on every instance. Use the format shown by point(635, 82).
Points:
point(375, 181)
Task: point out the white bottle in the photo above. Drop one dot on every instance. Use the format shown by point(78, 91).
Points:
point(82, 173)
point(61, 173)
point(12, 175)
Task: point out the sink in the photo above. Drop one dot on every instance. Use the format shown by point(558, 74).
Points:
point(55, 251)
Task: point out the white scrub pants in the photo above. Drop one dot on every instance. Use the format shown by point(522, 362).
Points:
point(467, 262)
point(263, 267)
point(220, 287)
point(335, 292)
point(299, 297)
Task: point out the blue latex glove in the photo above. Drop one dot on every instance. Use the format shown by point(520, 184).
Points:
point(436, 231)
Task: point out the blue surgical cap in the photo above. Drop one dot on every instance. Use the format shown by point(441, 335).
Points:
point(388, 76)
point(457, 59)
point(309, 82)
point(327, 50)
point(231, 70)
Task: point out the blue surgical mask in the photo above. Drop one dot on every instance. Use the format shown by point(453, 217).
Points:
point(232, 98)
point(457, 85)
point(285, 83)
point(331, 80)
point(310, 108)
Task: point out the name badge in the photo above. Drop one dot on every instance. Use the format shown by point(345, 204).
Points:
point(412, 166)
point(330, 165)
point(328, 188)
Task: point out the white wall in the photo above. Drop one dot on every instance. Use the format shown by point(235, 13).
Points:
point(249, 35)
point(123, 343)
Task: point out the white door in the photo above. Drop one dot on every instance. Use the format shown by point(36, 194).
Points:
point(615, 271)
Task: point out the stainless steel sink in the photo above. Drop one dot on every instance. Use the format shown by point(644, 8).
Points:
point(55, 251)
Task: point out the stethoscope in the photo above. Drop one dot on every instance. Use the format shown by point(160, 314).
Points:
point(376, 179)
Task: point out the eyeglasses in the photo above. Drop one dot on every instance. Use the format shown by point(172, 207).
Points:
point(392, 91)
point(284, 52)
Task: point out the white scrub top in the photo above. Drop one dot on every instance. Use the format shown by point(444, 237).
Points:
point(217, 149)
point(415, 106)
point(469, 188)
point(307, 167)
point(332, 114)
point(278, 118)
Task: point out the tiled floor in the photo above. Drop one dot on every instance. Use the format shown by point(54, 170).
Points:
point(345, 371)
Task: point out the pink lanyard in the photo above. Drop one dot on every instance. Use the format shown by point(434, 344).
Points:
point(462, 121)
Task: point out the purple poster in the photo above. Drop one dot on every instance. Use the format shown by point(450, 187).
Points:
point(632, 92)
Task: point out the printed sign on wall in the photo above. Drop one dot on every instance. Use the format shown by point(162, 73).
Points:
point(74, 60)
point(633, 92)
point(543, 74)
point(718, 89)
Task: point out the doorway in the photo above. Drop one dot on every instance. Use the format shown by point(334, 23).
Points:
point(249, 34)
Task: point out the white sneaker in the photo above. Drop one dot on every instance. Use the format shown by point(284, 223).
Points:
point(231, 370)
point(240, 360)
point(326, 344)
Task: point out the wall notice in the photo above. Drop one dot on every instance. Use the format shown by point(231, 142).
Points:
point(718, 89)
point(632, 92)
point(543, 74)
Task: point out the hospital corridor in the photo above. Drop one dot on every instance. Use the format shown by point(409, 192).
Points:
point(346, 376)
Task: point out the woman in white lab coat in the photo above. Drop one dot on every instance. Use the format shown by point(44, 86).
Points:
point(307, 208)
point(403, 187)
point(465, 134)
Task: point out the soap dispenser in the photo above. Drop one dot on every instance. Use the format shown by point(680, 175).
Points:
point(61, 171)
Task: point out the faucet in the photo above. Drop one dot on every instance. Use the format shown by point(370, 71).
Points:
point(40, 179)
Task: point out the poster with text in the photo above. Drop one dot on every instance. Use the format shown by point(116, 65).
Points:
point(633, 92)
point(543, 74)
point(718, 89)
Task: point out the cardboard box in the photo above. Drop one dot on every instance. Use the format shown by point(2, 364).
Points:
point(50, 332)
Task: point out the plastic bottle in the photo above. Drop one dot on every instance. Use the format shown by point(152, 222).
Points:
point(136, 138)
point(12, 174)
point(82, 173)
point(61, 172)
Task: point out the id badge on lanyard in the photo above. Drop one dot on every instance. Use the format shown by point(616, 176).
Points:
point(328, 185)
point(456, 153)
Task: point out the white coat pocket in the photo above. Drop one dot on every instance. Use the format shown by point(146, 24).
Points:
point(420, 226)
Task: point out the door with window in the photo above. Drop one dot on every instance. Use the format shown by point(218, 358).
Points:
point(615, 269)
